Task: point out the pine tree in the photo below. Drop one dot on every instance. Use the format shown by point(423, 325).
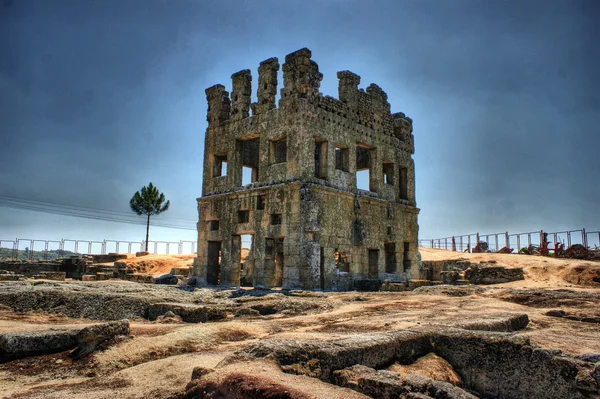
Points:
point(148, 201)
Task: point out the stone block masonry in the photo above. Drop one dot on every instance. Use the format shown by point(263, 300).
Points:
point(285, 175)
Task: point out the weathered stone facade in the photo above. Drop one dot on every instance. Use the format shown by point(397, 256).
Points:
point(311, 227)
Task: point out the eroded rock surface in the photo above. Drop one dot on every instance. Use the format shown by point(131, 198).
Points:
point(17, 345)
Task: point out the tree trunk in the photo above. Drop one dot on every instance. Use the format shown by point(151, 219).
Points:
point(147, 232)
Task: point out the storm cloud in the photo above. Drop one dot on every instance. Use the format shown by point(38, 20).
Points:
point(97, 98)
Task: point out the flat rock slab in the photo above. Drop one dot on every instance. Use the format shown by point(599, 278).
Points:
point(16, 345)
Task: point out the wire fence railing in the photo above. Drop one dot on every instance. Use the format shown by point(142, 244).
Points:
point(36, 249)
point(515, 241)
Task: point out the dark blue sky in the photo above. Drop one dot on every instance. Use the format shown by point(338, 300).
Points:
point(97, 98)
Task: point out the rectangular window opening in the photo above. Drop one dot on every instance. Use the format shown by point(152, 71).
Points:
point(260, 202)
point(373, 271)
point(276, 218)
point(320, 159)
point(342, 158)
point(249, 175)
point(363, 166)
point(390, 257)
point(214, 225)
point(213, 270)
point(278, 150)
point(388, 173)
point(406, 256)
point(404, 183)
point(243, 216)
point(247, 260)
point(249, 152)
point(220, 165)
point(269, 247)
point(362, 179)
point(341, 262)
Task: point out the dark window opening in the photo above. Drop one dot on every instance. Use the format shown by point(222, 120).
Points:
point(278, 150)
point(260, 202)
point(341, 262)
point(274, 260)
point(276, 218)
point(404, 183)
point(390, 257)
point(406, 256)
point(269, 247)
point(342, 158)
point(322, 269)
point(320, 159)
point(214, 225)
point(388, 173)
point(213, 270)
point(373, 263)
point(243, 216)
point(220, 165)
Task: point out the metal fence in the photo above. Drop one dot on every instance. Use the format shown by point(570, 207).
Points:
point(497, 241)
point(30, 249)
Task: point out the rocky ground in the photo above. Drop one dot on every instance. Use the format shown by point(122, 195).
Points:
point(533, 338)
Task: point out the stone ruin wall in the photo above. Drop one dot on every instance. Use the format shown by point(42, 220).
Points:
point(304, 154)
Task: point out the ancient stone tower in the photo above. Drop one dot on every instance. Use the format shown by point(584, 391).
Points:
point(309, 225)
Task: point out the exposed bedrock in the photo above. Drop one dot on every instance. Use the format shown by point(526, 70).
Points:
point(491, 364)
point(16, 345)
point(387, 384)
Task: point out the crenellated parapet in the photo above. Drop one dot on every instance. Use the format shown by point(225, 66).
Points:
point(403, 127)
point(301, 76)
point(368, 108)
point(267, 86)
point(219, 105)
point(241, 94)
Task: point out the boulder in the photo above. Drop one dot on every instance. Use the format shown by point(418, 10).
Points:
point(168, 279)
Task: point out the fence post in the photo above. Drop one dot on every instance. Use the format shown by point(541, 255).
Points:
point(584, 238)
point(469, 243)
point(568, 239)
point(518, 244)
point(46, 250)
point(506, 240)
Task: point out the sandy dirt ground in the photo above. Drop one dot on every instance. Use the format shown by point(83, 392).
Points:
point(158, 359)
point(157, 265)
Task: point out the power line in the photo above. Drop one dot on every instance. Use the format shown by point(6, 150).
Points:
point(88, 213)
point(78, 207)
